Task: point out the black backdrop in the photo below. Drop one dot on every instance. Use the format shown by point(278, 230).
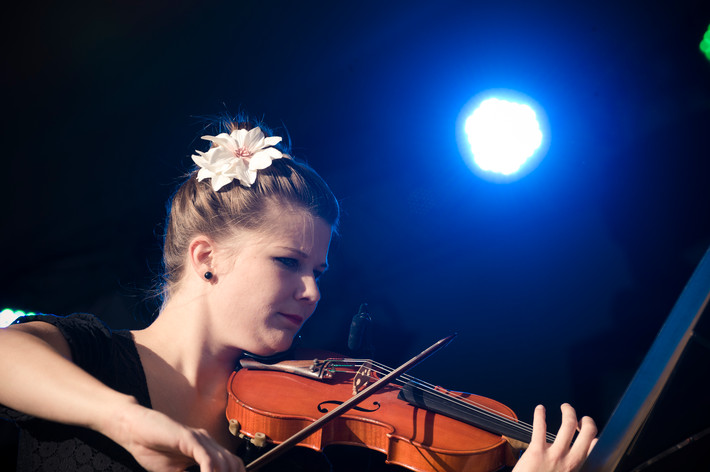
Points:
point(556, 283)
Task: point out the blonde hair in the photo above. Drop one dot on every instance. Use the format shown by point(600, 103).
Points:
point(196, 208)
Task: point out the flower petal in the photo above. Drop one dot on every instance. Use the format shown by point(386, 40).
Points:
point(262, 159)
point(244, 177)
point(220, 154)
point(199, 158)
point(252, 177)
point(220, 181)
point(225, 141)
point(239, 136)
point(272, 140)
point(254, 139)
point(273, 153)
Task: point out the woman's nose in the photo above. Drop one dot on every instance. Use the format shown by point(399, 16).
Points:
point(309, 291)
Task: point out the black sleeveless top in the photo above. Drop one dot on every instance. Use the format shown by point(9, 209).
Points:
point(111, 357)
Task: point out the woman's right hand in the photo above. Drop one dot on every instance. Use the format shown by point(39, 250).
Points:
point(159, 443)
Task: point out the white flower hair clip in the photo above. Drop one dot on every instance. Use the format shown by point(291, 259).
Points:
point(237, 155)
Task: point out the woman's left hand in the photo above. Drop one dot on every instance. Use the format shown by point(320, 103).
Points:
point(562, 455)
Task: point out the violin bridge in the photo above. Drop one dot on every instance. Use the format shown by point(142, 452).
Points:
point(362, 378)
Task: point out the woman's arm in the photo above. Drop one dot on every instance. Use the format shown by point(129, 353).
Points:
point(39, 379)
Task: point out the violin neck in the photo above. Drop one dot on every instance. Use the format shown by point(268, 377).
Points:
point(458, 409)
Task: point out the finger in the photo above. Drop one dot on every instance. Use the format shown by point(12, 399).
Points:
point(221, 458)
point(539, 432)
point(228, 462)
point(202, 455)
point(207, 454)
point(236, 464)
point(585, 440)
point(587, 431)
point(591, 446)
point(568, 427)
point(215, 458)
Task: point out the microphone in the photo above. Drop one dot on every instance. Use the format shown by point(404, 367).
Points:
point(360, 329)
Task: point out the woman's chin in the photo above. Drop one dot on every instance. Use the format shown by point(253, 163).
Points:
point(271, 349)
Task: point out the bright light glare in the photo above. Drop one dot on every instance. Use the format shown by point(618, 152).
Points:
point(8, 316)
point(503, 135)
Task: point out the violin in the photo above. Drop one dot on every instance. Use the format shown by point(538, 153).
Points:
point(418, 426)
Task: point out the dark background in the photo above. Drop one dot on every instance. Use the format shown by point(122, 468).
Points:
point(556, 283)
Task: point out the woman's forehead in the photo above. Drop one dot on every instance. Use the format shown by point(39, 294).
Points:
point(302, 229)
point(289, 227)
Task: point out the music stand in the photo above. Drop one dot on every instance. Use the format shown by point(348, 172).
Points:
point(635, 406)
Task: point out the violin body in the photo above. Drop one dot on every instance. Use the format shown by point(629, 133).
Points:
point(280, 404)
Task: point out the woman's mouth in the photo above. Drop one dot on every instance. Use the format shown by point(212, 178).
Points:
point(295, 319)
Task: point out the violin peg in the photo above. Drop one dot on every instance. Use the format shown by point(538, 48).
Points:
point(259, 440)
point(234, 427)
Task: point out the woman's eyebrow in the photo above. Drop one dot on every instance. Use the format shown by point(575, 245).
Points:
point(323, 266)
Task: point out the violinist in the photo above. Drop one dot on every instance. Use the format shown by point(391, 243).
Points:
point(246, 240)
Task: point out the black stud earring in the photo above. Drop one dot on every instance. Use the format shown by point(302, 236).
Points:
point(208, 275)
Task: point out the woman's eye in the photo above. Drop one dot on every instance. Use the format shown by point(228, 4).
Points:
point(288, 262)
point(294, 264)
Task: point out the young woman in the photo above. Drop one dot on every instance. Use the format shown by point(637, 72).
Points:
point(247, 239)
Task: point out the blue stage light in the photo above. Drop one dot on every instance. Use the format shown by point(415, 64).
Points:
point(502, 138)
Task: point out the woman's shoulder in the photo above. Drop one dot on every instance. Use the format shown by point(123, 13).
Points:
point(109, 355)
point(46, 331)
point(76, 322)
point(77, 336)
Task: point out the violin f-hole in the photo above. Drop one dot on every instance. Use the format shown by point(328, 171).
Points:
point(323, 409)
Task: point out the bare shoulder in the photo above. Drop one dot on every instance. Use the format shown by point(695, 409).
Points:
point(47, 333)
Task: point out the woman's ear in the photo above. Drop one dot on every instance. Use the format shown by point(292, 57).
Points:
point(201, 253)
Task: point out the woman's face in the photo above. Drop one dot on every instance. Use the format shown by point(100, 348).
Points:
point(266, 284)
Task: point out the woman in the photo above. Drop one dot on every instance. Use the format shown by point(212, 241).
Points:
point(247, 239)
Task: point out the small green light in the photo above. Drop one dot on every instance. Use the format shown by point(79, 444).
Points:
point(705, 44)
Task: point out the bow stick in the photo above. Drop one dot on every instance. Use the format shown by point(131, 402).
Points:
point(341, 409)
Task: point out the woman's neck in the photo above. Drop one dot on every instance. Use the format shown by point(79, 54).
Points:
point(186, 373)
point(181, 340)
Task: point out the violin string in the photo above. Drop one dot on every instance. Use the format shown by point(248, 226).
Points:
point(448, 397)
point(444, 395)
point(470, 405)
